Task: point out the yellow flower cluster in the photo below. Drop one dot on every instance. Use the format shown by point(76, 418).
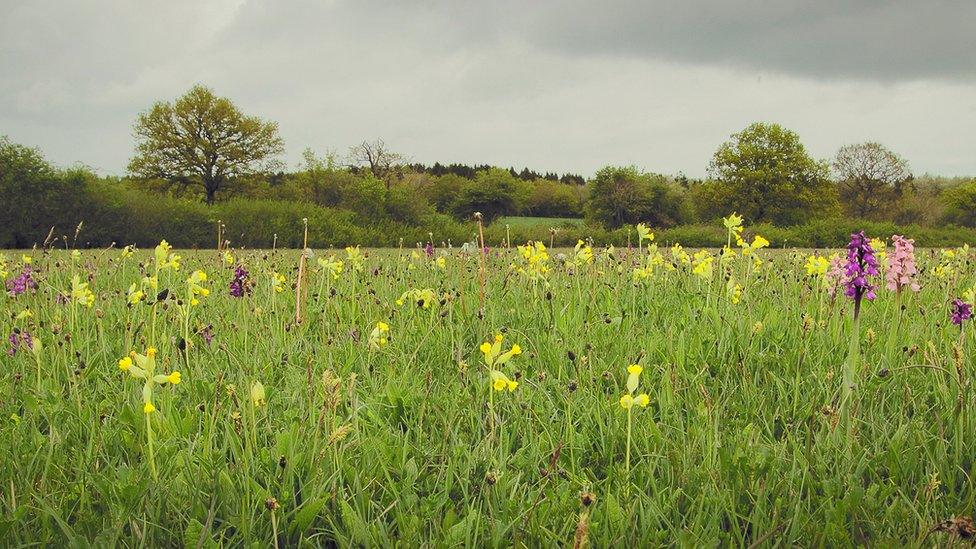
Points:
point(165, 259)
point(195, 287)
point(495, 358)
point(817, 266)
point(143, 367)
point(378, 337)
point(331, 265)
point(702, 264)
point(355, 258)
point(277, 282)
point(423, 298)
point(584, 254)
point(80, 293)
point(628, 399)
point(535, 259)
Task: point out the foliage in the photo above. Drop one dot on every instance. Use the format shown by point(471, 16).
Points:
point(625, 195)
point(960, 204)
point(143, 420)
point(870, 178)
point(492, 193)
point(204, 140)
point(765, 174)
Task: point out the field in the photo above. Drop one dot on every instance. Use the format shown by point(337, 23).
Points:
point(389, 415)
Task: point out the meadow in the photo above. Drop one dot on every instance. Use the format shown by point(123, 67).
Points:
point(462, 396)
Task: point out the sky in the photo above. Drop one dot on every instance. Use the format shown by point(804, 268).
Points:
point(565, 86)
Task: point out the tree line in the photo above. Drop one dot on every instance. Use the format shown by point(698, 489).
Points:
point(202, 147)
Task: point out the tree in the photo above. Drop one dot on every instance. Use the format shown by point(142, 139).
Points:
point(625, 195)
point(203, 140)
point(960, 204)
point(383, 163)
point(765, 174)
point(869, 177)
point(492, 193)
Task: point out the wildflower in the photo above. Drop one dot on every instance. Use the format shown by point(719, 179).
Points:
point(19, 339)
point(135, 294)
point(441, 263)
point(679, 255)
point(125, 363)
point(355, 258)
point(627, 401)
point(240, 285)
point(228, 258)
point(758, 243)
point(80, 293)
point(702, 264)
point(207, 334)
point(148, 408)
point(174, 378)
point(331, 265)
point(880, 248)
point(816, 266)
point(258, 397)
point(126, 251)
point(644, 233)
point(535, 260)
point(378, 337)
point(584, 254)
point(22, 283)
point(734, 291)
point(500, 382)
point(26, 259)
point(733, 224)
point(835, 275)
point(860, 265)
point(961, 311)
point(423, 298)
point(165, 259)
point(429, 249)
point(277, 282)
point(901, 265)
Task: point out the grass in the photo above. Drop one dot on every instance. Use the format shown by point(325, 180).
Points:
point(405, 442)
point(543, 222)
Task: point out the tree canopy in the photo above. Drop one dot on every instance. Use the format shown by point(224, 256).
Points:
point(869, 177)
point(765, 174)
point(204, 140)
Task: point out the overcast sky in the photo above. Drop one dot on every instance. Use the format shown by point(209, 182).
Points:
point(562, 86)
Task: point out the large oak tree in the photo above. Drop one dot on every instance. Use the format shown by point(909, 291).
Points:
point(201, 139)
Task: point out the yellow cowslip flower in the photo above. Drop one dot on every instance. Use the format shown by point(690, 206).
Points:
point(642, 400)
point(151, 352)
point(277, 282)
point(164, 258)
point(126, 252)
point(377, 338)
point(702, 264)
point(228, 258)
point(679, 255)
point(423, 298)
point(644, 233)
point(734, 291)
point(331, 265)
point(441, 263)
point(75, 255)
point(733, 223)
point(125, 363)
point(258, 397)
point(584, 254)
point(355, 258)
point(817, 266)
point(758, 243)
point(535, 260)
point(26, 313)
point(635, 369)
point(880, 248)
point(26, 259)
point(174, 378)
point(516, 350)
point(80, 293)
point(135, 294)
point(148, 408)
point(500, 382)
point(626, 401)
point(485, 348)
